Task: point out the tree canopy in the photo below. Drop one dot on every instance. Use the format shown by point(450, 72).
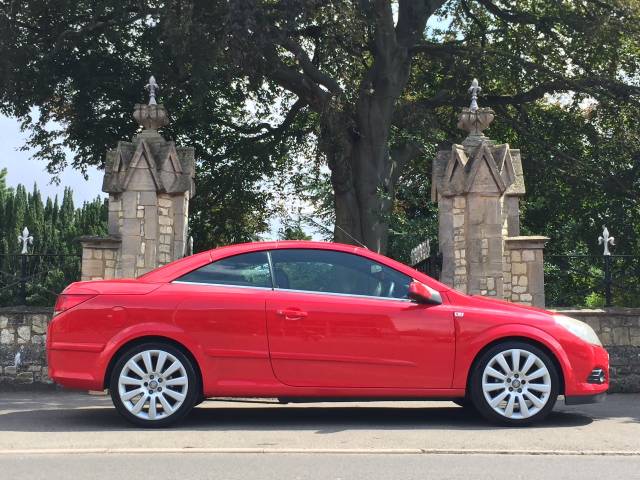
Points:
point(369, 88)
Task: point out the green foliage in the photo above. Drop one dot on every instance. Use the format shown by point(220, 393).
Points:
point(55, 227)
point(562, 77)
point(594, 300)
point(83, 64)
point(293, 230)
point(414, 218)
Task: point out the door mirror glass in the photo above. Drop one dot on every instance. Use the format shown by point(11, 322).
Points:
point(420, 293)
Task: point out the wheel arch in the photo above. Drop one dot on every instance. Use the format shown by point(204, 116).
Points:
point(152, 338)
point(518, 338)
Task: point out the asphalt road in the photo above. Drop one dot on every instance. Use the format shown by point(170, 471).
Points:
point(67, 435)
point(321, 467)
point(68, 420)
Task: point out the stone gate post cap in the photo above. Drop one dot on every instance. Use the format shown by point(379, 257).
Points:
point(96, 241)
point(526, 242)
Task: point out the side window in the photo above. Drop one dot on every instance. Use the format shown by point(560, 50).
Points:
point(246, 270)
point(336, 272)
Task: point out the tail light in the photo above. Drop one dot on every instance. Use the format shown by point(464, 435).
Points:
point(65, 301)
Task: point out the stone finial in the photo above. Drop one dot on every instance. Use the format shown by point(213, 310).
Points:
point(151, 116)
point(152, 87)
point(475, 120)
point(474, 90)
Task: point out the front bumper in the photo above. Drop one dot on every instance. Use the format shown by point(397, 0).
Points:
point(584, 361)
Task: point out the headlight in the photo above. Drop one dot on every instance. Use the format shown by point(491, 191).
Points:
point(578, 328)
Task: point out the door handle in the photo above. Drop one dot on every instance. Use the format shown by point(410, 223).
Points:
point(292, 314)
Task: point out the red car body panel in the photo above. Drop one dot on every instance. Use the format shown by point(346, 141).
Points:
point(360, 342)
point(263, 342)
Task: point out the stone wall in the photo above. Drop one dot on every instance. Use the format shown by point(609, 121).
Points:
point(23, 335)
point(23, 330)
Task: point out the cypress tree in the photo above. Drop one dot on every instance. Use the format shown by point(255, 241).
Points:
point(55, 227)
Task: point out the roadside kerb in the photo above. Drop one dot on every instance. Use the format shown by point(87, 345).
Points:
point(351, 451)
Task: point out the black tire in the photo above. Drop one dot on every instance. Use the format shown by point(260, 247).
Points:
point(478, 397)
point(465, 403)
point(193, 391)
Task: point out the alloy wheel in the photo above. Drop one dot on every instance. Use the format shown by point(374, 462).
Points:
point(153, 384)
point(516, 384)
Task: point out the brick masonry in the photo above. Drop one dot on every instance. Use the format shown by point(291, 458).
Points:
point(23, 329)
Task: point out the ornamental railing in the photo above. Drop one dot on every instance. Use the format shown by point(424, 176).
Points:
point(431, 265)
point(36, 279)
point(592, 280)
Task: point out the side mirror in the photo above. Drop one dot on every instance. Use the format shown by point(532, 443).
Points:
point(420, 293)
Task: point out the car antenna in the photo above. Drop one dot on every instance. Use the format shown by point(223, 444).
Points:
point(339, 228)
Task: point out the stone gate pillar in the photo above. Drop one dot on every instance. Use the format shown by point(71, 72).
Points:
point(478, 186)
point(150, 182)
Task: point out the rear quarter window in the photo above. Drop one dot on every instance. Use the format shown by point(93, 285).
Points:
point(245, 270)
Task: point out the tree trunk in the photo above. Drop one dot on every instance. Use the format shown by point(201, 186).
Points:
point(363, 175)
point(363, 172)
point(355, 139)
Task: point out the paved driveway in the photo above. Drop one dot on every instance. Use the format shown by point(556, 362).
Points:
point(77, 422)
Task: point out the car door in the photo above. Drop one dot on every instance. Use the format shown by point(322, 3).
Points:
point(222, 306)
point(337, 319)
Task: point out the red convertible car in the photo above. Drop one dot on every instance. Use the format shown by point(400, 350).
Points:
point(309, 321)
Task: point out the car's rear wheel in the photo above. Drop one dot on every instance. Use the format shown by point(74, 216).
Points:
point(154, 385)
point(514, 383)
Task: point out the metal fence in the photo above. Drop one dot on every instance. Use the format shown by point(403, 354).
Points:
point(431, 265)
point(579, 280)
point(592, 280)
point(36, 279)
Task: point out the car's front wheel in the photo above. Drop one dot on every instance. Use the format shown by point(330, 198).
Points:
point(514, 383)
point(154, 385)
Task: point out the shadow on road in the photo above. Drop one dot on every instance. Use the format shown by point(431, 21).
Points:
point(323, 420)
point(337, 419)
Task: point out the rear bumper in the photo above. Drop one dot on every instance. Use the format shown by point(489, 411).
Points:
point(76, 369)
